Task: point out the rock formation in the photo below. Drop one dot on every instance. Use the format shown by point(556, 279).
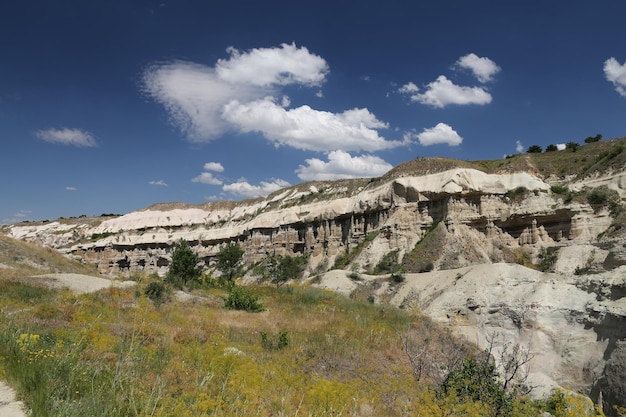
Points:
point(480, 233)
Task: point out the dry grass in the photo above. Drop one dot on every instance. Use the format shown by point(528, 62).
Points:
point(22, 259)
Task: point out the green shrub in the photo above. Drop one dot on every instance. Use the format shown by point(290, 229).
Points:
point(276, 342)
point(387, 263)
point(156, 291)
point(551, 148)
point(240, 298)
point(559, 189)
point(534, 149)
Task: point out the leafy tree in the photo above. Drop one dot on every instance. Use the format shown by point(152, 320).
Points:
point(551, 148)
point(534, 149)
point(229, 260)
point(280, 269)
point(572, 145)
point(184, 267)
point(591, 139)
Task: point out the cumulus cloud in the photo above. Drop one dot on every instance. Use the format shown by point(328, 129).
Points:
point(243, 93)
point(443, 92)
point(519, 147)
point(342, 165)
point(213, 166)
point(440, 134)
point(207, 178)
point(483, 68)
point(308, 129)
point(266, 67)
point(159, 183)
point(616, 74)
point(243, 188)
point(65, 136)
point(560, 146)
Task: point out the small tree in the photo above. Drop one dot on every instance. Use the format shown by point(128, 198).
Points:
point(184, 267)
point(280, 269)
point(551, 148)
point(534, 149)
point(591, 139)
point(229, 260)
point(572, 145)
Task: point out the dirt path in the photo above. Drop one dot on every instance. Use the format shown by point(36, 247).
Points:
point(9, 406)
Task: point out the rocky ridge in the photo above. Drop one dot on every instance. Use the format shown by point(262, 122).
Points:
point(488, 231)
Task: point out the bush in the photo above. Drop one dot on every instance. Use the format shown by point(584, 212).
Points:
point(157, 292)
point(277, 342)
point(591, 139)
point(572, 145)
point(534, 149)
point(240, 298)
point(559, 189)
point(551, 148)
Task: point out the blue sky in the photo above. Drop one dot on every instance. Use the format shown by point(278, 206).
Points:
point(111, 106)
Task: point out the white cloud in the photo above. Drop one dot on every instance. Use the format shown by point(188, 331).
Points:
point(194, 96)
point(67, 136)
point(482, 68)
point(342, 165)
point(207, 178)
point(243, 188)
point(213, 166)
point(616, 73)
point(440, 134)
point(409, 88)
point(243, 93)
point(519, 147)
point(266, 67)
point(159, 182)
point(560, 146)
point(442, 92)
point(71, 188)
point(308, 129)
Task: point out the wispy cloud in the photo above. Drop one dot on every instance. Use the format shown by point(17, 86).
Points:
point(244, 94)
point(340, 165)
point(71, 188)
point(20, 216)
point(242, 188)
point(66, 136)
point(160, 183)
point(616, 74)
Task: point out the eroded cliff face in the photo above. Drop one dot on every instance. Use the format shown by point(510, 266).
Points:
point(325, 220)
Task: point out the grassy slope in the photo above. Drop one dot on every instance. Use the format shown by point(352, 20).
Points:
point(310, 353)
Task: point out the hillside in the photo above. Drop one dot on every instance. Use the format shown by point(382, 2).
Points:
point(556, 218)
